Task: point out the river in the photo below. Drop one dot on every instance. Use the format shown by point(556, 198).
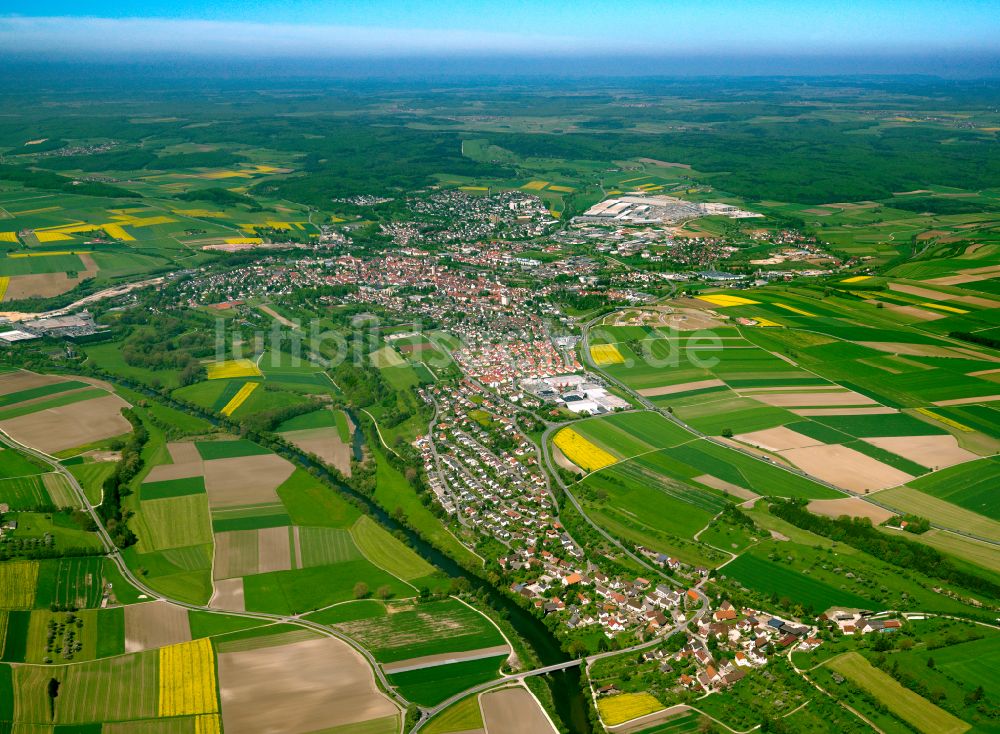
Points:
point(566, 686)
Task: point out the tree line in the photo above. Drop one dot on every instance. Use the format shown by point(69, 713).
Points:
point(858, 532)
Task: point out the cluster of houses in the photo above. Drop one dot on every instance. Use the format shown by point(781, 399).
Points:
point(484, 471)
point(850, 622)
point(673, 564)
point(729, 642)
point(589, 597)
point(463, 217)
point(501, 363)
point(480, 467)
point(725, 646)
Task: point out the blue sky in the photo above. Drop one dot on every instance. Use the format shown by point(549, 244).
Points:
point(359, 28)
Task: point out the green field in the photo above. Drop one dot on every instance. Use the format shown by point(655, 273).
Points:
point(972, 486)
point(429, 686)
point(388, 552)
point(16, 635)
point(969, 664)
point(640, 494)
point(459, 717)
point(309, 502)
point(173, 488)
point(772, 578)
point(686, 723)
point(70, 581)
point(90, 691)
point(253, 517)
point(914, 709)
point(57, 402)
point(173, 522)
point(293, 592)
point(228, 449)
point(110, 632)
point(325, 546)
point(316, 419)
point(944, 513)
point(15, 464)
point(24, 493)
point(428, 628)
point(91, 477)
point(182, 573)
point(42, 391)
point(630, 434)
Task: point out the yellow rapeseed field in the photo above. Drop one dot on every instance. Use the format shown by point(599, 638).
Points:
point(201, 213)
point(52, 236)
point(4, 284)
point(216, 175)
point(207, 724)
point(562, 189)
point(187, 679)
point(117, 232)
point(942, 307)
point(582, 452)
point(721, 299)
point(626, 706)
point(535, 185)
point(765, 322)
point(145, 221)
point(856, 279)
point(243, 240)
point(604, 354)
point(8, 237)
point(945, 420)
point(799, 311)
point(239, 398)
point(46, 253)
point(233, 368)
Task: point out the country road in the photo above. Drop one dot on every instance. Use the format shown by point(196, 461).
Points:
point(587, 660)
point(113, 552)
point(649, 405)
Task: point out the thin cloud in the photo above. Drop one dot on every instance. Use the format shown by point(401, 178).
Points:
point(159, 37)
point(150, 36)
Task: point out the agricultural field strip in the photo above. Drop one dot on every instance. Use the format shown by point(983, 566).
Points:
point(913, 708)
point(870, 499)
point(626, 459)
point(126, 572)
